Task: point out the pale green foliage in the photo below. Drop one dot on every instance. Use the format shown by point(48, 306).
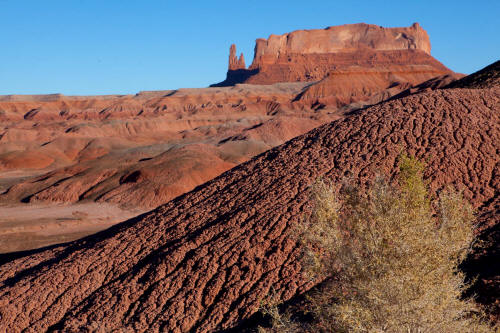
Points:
point(389, 264)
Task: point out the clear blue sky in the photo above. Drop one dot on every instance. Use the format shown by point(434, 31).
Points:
point(103, 47)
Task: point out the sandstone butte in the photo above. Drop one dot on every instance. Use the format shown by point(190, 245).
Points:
point(204, 261)
point(310, 55)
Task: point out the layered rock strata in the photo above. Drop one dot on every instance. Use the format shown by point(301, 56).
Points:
point(309, 55)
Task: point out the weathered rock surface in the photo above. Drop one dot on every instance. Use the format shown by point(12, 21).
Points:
point(437, 82)
point(84, 149)
point(309, 55)
point(205, 260)
point(362, 84)
point(234, 62)
point(339, 39)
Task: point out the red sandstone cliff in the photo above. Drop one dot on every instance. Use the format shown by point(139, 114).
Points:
point(338, 39)
point(310, 55)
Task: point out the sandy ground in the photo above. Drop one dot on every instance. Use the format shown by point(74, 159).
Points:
point(26, 226)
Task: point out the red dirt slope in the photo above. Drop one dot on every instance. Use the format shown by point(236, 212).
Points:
point(203, 261)
point(363, 85)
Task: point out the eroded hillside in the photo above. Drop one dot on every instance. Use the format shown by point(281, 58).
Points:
point(204, 261)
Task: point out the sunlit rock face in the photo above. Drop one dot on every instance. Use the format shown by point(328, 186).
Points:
point(310, 55)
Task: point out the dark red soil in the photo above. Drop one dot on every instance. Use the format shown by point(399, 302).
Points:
point(204, 261)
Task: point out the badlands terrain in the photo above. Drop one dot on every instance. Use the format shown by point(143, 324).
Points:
point(132, 153)
point(218, 243)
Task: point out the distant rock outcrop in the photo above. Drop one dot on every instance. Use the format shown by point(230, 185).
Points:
point(309, 55)
point(342, 38)
point(234, 62)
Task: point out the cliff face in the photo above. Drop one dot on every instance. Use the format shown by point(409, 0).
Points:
point(310, 55)
point(338, 39)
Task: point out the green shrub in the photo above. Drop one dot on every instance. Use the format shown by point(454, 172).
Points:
point(388, 257)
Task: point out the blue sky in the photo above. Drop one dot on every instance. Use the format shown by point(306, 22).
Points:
point(82, 47)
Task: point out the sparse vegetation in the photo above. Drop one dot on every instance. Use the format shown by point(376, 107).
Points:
point(388, 259)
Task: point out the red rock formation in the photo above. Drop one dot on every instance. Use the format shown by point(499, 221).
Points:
point(438, 82)
point(309, 55)
point(234, 62)
point(241, 61)
point(339, 39)
point(355, 87)
point(205, 261)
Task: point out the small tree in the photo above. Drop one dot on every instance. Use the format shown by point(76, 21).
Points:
point(389, 265)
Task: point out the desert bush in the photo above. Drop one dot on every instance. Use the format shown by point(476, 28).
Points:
point(388, 257)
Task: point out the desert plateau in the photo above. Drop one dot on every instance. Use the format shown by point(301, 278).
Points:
point(177, 210)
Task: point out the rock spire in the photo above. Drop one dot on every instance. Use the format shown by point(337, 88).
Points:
point(235, 63)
